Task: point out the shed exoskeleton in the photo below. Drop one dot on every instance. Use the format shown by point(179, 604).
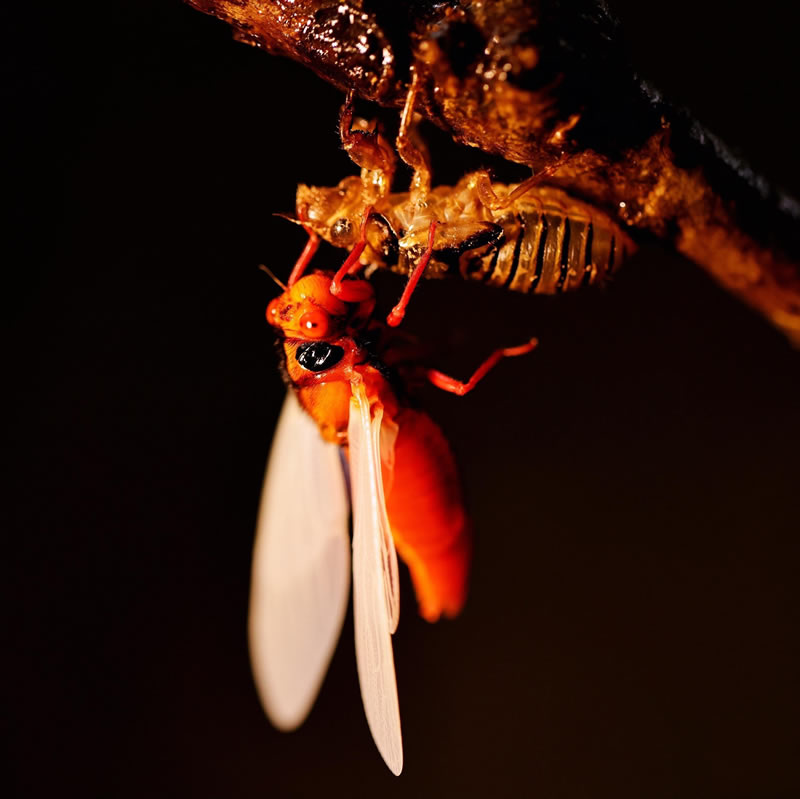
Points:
point(529, 237)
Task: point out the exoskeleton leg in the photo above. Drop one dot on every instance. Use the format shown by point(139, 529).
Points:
point(489, 198)
point(411, 148)
point(368, 149)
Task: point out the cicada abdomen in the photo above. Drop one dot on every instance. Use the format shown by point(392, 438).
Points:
point(549, 243)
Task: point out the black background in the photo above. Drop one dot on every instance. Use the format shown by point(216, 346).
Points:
point(632, 626)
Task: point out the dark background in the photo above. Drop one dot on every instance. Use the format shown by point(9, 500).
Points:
point(632, 626)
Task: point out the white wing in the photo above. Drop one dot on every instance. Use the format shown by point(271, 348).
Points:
point(374, 582)
point(301, 568)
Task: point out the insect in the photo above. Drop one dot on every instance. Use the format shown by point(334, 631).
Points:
point(530, 237)
point(349, 379)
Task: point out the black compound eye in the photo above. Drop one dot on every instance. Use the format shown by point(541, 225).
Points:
point(317, 356)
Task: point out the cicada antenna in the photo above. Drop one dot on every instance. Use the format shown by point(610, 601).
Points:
point(265, 268)
point(289, 218)
point(308, 251)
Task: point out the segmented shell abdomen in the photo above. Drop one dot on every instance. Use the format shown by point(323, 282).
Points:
point(551, 243)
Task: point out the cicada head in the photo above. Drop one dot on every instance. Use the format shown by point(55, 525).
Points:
point(308, 310)
point(333, 212)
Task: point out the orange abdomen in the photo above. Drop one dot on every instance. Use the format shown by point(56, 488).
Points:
point(429, 524)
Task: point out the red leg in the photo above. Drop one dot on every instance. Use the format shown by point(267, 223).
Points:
point(454, 386)
point(308, 251)
point(399, 310)
point(353, 290)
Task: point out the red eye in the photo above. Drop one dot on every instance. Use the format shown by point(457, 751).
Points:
point(272, 312)
point(315, 324)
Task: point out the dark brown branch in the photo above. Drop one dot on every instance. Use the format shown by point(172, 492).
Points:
point(535, 82)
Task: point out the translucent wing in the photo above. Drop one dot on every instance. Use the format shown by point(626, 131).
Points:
point(301, 568)
point(384, 437)
point(375, 605)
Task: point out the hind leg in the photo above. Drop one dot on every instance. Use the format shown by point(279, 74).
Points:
point(487, 195)
point(447, 383)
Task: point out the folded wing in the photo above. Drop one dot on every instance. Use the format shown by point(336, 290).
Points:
point(375, 587)
point(301, 568)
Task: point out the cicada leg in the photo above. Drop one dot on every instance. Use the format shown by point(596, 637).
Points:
point(353, 290)
point(410, 147)
point(489, 198)
point(308, 251)
point(399, 310)
point(447, 383)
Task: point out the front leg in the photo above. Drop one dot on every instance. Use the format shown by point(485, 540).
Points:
point(368, 149)
point(353, 290)
point(308, 251)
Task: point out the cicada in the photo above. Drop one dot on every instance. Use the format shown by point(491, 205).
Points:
point(348, 400)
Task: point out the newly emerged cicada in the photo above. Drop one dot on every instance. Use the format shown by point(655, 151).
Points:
point(349, 378)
